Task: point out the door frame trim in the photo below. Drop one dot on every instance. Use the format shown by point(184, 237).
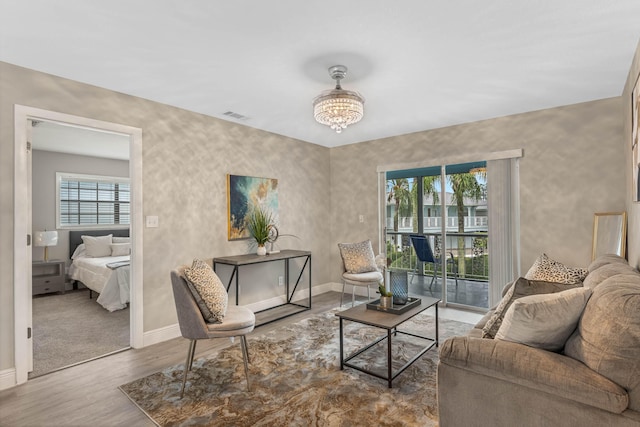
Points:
point(21, 260)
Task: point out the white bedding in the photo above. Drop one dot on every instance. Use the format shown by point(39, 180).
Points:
point(112, 285)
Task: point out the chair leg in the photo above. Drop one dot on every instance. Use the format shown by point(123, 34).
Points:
point(245, 357)
point(368, 295)
point(353, 295)
point(187, 365)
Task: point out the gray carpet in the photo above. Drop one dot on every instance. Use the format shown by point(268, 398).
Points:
point(296, 380)
point(71, 328)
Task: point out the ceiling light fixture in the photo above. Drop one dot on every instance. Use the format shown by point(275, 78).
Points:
point(338, 108)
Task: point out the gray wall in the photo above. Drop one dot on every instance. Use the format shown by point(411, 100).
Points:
point(572, 168)
point(186, 157)
point(45, 164)
point(633, 209)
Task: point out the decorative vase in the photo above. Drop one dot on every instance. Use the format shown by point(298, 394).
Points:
point(386, 302)
point(262, 250)
point(399, 286)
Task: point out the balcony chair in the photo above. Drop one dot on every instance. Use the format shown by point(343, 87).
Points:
point(425, 254)
point(359, 268)
point(238, 321)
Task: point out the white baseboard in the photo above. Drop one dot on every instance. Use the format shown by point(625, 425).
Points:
point(173, 331)
point(160, 335)
point(7, 378)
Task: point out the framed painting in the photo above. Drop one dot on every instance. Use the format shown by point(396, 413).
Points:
point(244, 193)
point(635, 143)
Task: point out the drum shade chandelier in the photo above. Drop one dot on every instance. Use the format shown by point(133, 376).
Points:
point(338, 108)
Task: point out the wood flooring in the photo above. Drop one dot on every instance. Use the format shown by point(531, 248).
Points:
point(88, 394)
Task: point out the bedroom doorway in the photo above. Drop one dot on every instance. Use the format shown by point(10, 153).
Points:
point(25, 117)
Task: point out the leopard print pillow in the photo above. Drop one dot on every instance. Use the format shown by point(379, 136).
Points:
point(553, 271)
point(208, 291)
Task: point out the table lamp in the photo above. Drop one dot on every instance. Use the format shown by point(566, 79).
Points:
point(46, 239)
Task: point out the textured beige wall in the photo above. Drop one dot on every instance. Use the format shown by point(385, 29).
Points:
point(572, 168)
point(186, 157)
point(633, 209)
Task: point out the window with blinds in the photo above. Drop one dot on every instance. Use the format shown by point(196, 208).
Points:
point(90, 200)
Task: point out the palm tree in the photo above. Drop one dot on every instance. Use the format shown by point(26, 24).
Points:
point(464, 185)
point(400, 193)
point(428, 188)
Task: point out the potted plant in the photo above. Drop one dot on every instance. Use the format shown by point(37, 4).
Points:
point(261, 227)
point(386, 297)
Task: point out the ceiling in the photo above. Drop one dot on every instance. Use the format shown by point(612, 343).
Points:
point(420, 64)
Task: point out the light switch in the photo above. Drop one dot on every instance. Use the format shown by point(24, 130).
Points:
point(152, 221)
point(361, 217)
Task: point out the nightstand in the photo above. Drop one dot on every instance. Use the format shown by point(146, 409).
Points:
point(47, 276)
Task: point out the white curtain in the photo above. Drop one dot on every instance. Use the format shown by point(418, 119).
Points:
point(504, 225)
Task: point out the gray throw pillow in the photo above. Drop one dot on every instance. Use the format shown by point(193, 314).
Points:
point(544, 321)
point(208, 291)
point(358, 257)
point(520, 288)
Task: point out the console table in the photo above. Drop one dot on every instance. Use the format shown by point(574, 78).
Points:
point(238, 261)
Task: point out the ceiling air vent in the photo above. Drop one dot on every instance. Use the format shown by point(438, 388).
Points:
point(235, 115)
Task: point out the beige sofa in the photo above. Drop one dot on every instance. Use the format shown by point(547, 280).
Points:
point(593, 381)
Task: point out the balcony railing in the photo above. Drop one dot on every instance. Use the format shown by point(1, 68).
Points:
point(472, 247)
point(471, 223)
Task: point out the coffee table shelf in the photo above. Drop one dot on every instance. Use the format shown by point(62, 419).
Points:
point(389, 322)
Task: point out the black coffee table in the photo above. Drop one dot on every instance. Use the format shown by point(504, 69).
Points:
point(390, 323)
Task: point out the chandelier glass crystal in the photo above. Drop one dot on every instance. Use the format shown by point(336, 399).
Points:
point(338, 108)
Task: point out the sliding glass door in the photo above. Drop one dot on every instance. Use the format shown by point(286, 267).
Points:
point(437, 231)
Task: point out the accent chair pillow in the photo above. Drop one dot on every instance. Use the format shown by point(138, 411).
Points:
point(544, 321)
point(120, 249)
point(97, 246)
point(544, 268)
point(358, 257)
point(520, 288)
point(208, 291)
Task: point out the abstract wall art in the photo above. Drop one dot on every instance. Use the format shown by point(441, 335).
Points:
point(244, 193)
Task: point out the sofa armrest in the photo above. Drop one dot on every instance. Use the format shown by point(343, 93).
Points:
point(538, 369)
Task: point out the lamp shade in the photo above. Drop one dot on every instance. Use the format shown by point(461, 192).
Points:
point(45, 238)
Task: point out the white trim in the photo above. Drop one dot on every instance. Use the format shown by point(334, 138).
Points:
point(453, 160)
point(7, 378)
point(22, 265)
point(173, 331)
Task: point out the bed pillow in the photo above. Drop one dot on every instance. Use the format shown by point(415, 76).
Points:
point(544, 321)
point(97, 246)
point(120, 249)
point(79, 252)
point(208, 291)
point(544, 268)
point(520, 288)
point(118, 239)
point(358, 257)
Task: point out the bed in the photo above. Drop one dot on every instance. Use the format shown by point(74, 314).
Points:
point(107, 272)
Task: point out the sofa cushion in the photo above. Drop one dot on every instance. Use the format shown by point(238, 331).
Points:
point(544, 268)
point(597, 276)
point(605, 260)
point(544, 321)
point(546, 371)
point(520, 288)
point(358, 257)
point(607, 338)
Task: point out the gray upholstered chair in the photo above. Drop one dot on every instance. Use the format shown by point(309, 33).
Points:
point(238, 321)
point(359, 258)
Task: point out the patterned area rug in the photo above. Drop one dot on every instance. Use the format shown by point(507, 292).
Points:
point(296, 380)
